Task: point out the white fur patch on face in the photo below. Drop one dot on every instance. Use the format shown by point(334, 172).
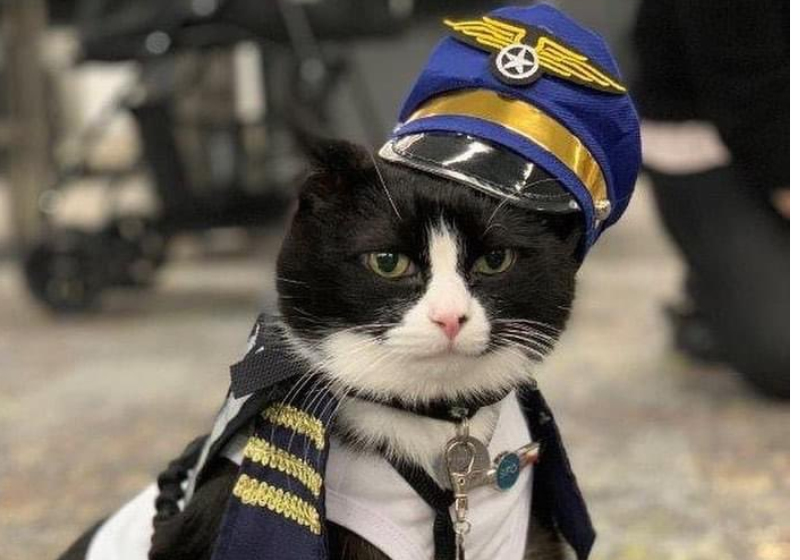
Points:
point(447, 296)
point(417, 360)
point(374, 368)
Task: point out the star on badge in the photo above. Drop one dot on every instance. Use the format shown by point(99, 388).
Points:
point(523, 54)
point(517, 64)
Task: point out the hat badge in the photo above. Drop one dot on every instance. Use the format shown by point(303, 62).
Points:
point(523, 54)
point(517, 64)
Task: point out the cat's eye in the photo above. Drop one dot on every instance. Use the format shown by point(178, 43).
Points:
point(495, 262)
point(390, 265)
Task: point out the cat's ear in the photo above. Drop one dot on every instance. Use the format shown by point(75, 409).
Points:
point(332, 156)
point(335, 167)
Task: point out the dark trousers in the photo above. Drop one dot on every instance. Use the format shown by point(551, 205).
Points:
point(736, 249)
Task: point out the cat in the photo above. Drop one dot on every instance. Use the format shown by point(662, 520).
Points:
point(404, 286)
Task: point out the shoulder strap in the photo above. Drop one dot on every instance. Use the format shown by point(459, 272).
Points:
point(264, 375)
point(557, 499)
point(439, 500)
point(277, 508)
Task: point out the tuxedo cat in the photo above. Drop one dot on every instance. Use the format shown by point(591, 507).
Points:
point(400, 286)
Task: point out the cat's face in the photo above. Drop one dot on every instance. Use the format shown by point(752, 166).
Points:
point(407, 286)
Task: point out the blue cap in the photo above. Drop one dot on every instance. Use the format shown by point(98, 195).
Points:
point(531, 82)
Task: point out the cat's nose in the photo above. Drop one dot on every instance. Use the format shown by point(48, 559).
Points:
point(449, 322)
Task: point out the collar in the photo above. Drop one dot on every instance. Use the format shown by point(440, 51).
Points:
point(442, 409)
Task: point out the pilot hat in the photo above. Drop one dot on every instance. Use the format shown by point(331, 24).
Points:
point(526, 105)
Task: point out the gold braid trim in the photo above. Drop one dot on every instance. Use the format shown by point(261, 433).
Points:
point(297, 421)
point(253, 492)
point(261, 451)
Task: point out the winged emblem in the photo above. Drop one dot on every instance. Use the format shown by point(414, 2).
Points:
point(523, 54)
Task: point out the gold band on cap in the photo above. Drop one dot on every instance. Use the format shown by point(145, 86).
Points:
point(527, 121)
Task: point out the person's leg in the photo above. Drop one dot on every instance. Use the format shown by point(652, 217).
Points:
point(737, 253)
point(691, 332)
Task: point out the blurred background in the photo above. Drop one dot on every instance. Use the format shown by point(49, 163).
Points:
point(149, 152)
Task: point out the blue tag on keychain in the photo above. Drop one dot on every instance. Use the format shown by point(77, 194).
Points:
point(508, 469)
point(509, 465)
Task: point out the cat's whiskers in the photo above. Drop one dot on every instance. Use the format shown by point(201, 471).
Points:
point(298, 385)
point(534, 344)
point(311, 375)
point(318, 388)
point(527, 350)
point(335, 328)
point(526, 362)
point(383, 184)
point(521, 322)
point(525, 321)
point(291, 281)
point(367, 368)
point(530, 335)
point(340, 390)
point(536, 335)
point(505, 201)
point(352, 350)
point(321, 384)
point(530, 329)
point(306, 316)
point(489, 222)
point(318, 391)
point(388, 355)
point(525, 355)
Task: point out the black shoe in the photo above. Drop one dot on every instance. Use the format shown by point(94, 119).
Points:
point(691, 335)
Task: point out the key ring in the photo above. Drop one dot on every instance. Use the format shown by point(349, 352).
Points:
point(462, 528)
point(462, 430)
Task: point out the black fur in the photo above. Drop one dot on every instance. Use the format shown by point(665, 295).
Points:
point(350, 206)
point(194, 530)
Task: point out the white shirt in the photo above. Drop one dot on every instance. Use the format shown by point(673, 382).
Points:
point(365, 494)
